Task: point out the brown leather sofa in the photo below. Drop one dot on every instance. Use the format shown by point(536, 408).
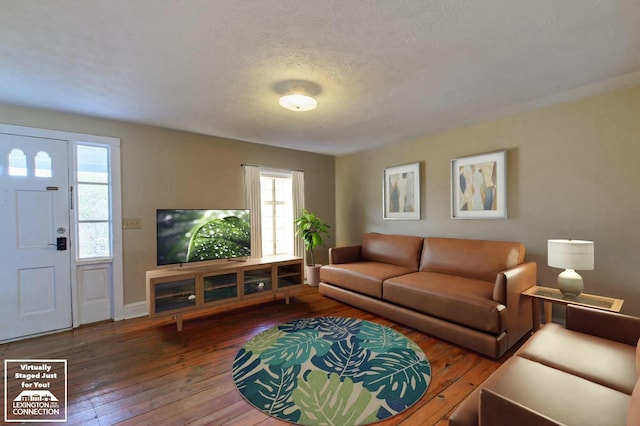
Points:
point(582, 374)
point(467, 292)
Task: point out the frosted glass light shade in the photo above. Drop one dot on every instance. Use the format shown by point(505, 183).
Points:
point(570, 254)
point(298, 102)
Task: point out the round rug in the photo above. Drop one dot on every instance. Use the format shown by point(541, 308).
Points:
point(331, 371)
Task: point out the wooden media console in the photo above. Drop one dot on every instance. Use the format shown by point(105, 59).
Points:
point(176, 291)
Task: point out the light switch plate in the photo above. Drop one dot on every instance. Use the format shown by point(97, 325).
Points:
point(131, 223)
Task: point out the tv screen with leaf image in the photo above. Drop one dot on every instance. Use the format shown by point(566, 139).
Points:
point(191, 235)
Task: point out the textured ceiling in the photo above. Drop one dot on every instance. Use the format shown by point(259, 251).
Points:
point(385, 71)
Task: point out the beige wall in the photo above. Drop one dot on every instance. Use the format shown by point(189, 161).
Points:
point(573, 172)
point(170, 169)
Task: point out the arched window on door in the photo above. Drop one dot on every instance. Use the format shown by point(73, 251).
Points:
point(43, 165)
point(17, 163)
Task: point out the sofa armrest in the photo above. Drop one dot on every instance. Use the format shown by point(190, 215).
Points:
point(498, 410)
point(609, 325)
point(514, 281)
point(346, 254)
point(509, 287)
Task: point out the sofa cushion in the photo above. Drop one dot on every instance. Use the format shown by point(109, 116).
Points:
point(558, 395)
point(461, 300)
point(470, 258)
point(498, 410)
point(554, 394)
point(599, 360)
point(361, 277)
point(400, 250)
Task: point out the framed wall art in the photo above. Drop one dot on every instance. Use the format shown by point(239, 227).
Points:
point(401, 192)
point(479, 186)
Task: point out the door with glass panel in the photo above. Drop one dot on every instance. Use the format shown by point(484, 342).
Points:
point(35, 278)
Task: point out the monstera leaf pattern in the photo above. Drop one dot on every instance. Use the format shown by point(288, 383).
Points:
point(398, 374)
point(333, 401)
point(263, 341)
point(346, 358)
point(379, 338)
point(295, 348)
point(331, 371)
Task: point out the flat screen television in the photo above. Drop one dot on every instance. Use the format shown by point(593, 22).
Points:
point(196, 235)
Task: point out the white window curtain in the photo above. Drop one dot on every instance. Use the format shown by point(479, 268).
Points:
point(297, 181)
point(253, 203)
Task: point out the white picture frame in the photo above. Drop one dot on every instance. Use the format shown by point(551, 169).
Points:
point(479, 186)
point(401, 192)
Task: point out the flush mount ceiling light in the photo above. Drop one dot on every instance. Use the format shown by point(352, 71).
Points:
point(297, 95)
point(298, 102)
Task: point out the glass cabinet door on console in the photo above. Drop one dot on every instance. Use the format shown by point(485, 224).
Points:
point(173, 292)
point(220, 287)
point(289, 274)
point(177, 295)
point(257, 280)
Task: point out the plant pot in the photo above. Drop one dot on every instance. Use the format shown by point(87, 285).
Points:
point(313, 274)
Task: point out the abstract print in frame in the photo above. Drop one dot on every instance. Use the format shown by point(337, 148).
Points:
point(479, 186)
point(401, 192)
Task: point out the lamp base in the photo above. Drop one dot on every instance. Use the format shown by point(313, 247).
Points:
point(570, 283)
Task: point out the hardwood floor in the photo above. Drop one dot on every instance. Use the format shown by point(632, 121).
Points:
point(144, 372)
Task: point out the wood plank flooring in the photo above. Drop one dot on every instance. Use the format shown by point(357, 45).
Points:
point(144, 372)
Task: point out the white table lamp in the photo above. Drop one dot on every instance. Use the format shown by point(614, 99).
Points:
point(570, 255)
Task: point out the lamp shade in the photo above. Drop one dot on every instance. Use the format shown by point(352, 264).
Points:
point(570, 254)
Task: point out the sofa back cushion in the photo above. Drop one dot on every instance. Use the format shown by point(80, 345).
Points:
point(479, 259)
point(401, 250)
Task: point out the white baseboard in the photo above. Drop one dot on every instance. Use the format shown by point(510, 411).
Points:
point(135, 310)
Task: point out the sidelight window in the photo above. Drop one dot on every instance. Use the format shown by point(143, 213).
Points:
point(93, 201)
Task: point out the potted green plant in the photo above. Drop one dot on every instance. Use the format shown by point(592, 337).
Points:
point(311, 228)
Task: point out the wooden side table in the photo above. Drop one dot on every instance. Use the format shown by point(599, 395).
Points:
point(553, 295)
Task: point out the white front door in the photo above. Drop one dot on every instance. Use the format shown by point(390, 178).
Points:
point(35, 265)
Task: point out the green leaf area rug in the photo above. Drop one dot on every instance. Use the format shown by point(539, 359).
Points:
point(331, 371)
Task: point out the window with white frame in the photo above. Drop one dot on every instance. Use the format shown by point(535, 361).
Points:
point(277, 213)
point(93, 201)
